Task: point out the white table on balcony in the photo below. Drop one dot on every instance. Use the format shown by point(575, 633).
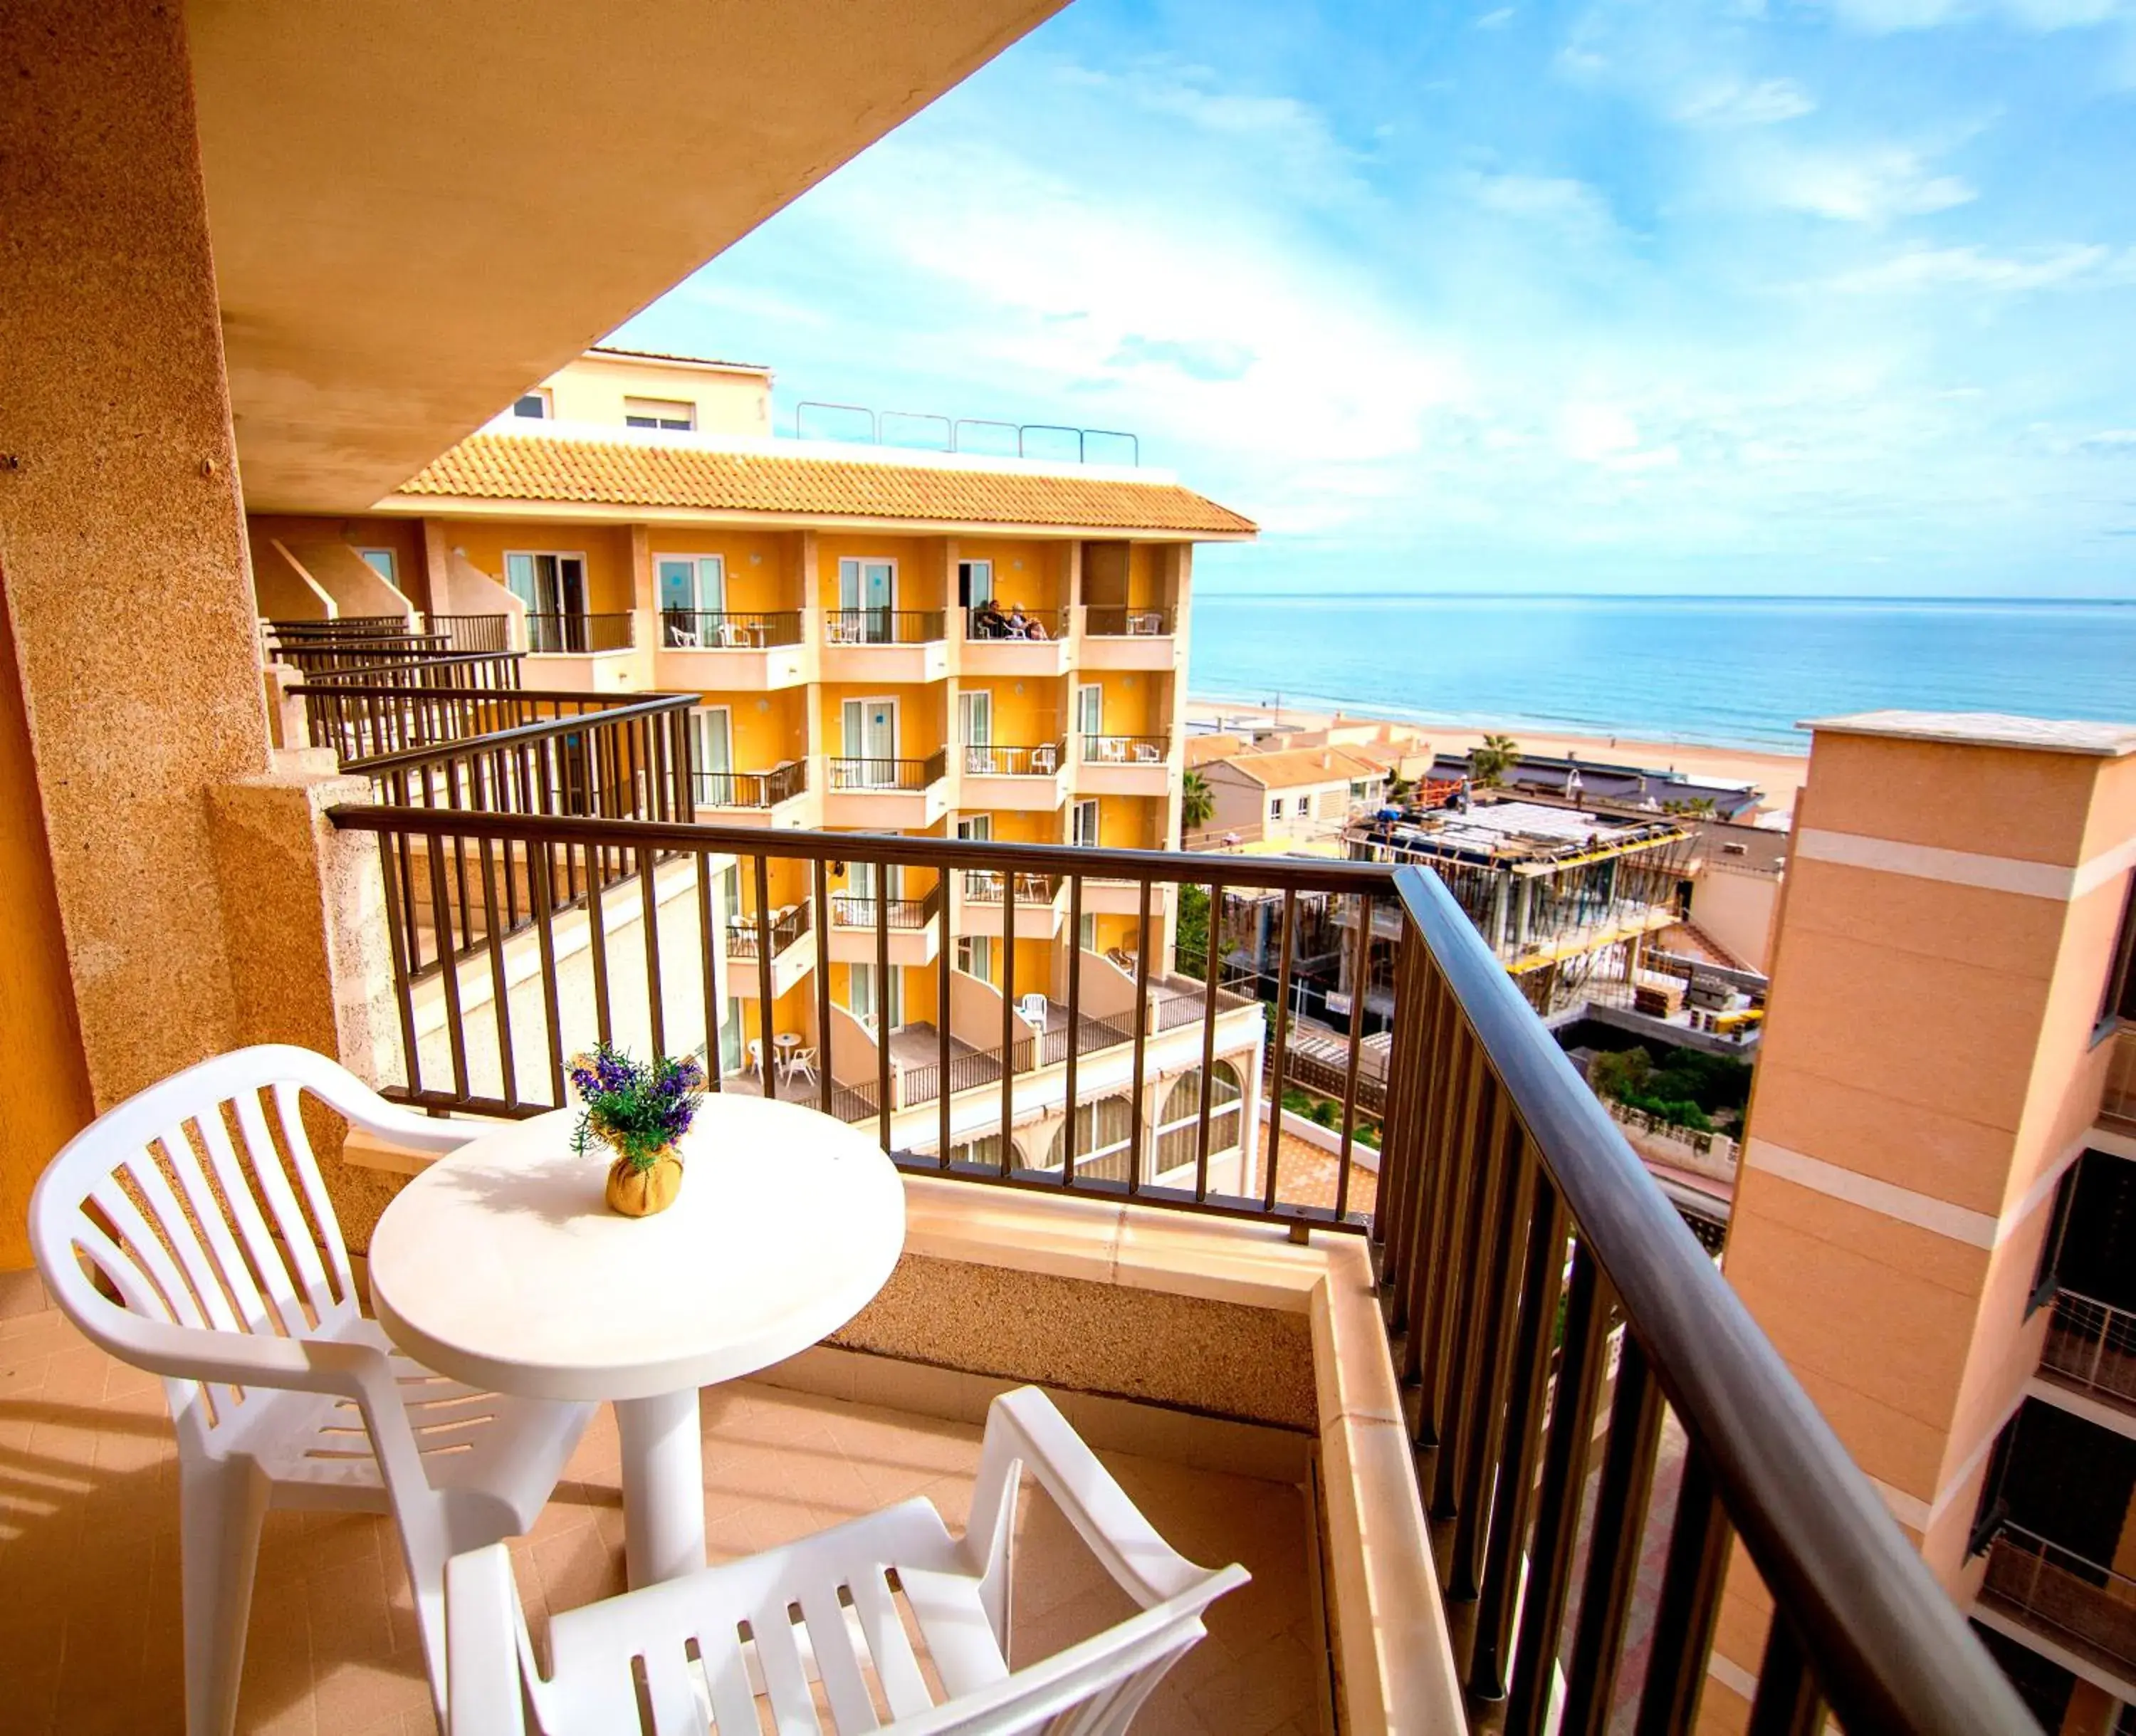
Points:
point(500, 1265)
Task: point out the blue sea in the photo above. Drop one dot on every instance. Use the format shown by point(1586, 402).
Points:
point(1736, 672)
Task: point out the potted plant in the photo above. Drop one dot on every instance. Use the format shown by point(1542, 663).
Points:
point(638, 1111)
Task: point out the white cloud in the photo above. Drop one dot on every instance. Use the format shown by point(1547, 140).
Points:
point(1562, 203)
point(1889, 18)
point(2071, 266)
point(1732, 103)
point(1496, 19)
point(1874, 185)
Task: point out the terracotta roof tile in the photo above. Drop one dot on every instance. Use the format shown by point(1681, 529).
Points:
point(1288, 768)
point(598, 472)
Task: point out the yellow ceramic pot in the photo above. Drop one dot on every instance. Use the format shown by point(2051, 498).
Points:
point(639, 1192)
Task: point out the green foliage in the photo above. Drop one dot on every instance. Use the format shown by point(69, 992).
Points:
point(1688, 1090)
point(1193, 931)
point(637, 1109)
point(1198, 801)
point(1488, 764)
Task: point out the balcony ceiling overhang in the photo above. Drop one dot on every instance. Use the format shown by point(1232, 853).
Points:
point(420, 208)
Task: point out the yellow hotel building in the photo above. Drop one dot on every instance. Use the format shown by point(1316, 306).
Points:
point(631, 525)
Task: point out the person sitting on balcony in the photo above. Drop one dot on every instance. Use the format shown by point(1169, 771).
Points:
point(1034, 628)
point(989, 622)
point(1019, 624)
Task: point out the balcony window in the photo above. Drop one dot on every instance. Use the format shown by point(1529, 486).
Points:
point(975, 583)
point(380, 562)
point(671, 416)
point(1083, 826)
point(975, 956)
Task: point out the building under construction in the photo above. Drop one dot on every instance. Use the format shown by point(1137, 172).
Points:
point(1565, 898)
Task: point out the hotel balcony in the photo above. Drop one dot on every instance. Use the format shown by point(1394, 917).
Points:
point(1010, 779)
point(788, 938)
point(779, 797)
point(886, 795)
point(985, 653)
point(730, 651)
point(592, 654)
point(2080, 1607)
point(1123, 765)
point(898, 646)
point(1041, 903)
point(866, 930)
point(2091, 1346)
point(1127, 639)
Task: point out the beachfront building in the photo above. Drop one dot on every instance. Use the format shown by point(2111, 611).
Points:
point(255, 258)
point(1936, 1218)
point(1566, 899)
point(1294, 799)
point(1578, 780)
point(874, 640)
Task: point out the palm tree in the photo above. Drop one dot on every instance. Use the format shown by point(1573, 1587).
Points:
point(1488, 764)
point(1198, 801)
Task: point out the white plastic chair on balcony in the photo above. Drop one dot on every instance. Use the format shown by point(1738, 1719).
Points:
point(956, 1589)
point(1148, 753)
point(1031, 1009)
point(1045, 760)
point(733, 637)
point(234, 1286)
point(801, 1060)
point(755, 1051)
point(684, 638)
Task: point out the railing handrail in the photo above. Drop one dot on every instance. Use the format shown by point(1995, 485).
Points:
point(896, 849)
point(446, 660)
point(650, 705)
point(2063, 1291)
point(1885, 1643)
point(491, 695)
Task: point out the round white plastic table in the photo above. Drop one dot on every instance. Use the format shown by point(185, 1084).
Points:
point(500, 1265)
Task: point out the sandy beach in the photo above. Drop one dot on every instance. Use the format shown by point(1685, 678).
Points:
point(1779, 775)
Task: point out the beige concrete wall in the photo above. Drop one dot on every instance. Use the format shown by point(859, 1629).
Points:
point(1737, 909)
point(122, 482)
point(593, 388)
point(1928, 1070)
point(284, 591)
point(350, 579)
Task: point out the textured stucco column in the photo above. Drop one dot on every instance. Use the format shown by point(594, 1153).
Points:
point(122, 542)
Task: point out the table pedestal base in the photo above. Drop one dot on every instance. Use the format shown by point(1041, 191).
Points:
point(664, 1487)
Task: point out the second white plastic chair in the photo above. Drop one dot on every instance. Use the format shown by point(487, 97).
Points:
point(710, 1643)
point(233, 1282)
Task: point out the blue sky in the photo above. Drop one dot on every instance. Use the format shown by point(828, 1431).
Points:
point(1637, 295)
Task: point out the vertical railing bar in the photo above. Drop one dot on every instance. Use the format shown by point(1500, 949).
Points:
point(1213, 919)
point(767, 1050)
point(1360, 982)
point(1612, 1543)
point(1787, 1702)
point(1435, 1072)
point(944, 947)
point(1513, 1501)
point(1141, 1042)
point(597, 931)
point(404, 973)
point(1557, 1498)
point(882, 1000)
point(441, 914)
point(1008, 1015)
point(655, 998)
point(1513, 1201)
point(1276, 1061)
point(820, 885)
point(1699, 1537)
point(1454, 1346)
point(1398, 1168)
point(1075, 1025)
point(500, 989)
point(711, 951)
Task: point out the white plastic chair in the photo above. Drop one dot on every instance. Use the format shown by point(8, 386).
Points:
point(755, 1051)
point(684, 638)
point(1031, 1009)
point(234, 1286)
point(957, 1590)
point(733, 636)
point(801, 1060)
point(1147, 753)
point(1045, 760)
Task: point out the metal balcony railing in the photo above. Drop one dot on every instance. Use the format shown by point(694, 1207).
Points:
point(581, 634)
point(1520, 1243)
point(860, 776)
point(2068, 1595)
point(748, 940)
point(753, 789)
point(1100, 622)
point(2092, 1345)
point(882, 627)
point(988, 625)
point(991, 759)
point(474, 632)
point(729, 629)
point(1126, 750)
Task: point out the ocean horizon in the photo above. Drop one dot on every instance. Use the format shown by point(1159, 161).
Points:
point(1725, 672)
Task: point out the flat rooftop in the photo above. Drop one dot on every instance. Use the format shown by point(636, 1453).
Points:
point(1524, 831)
point(1988, 729)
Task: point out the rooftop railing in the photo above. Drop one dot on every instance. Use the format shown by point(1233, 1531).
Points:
point(927, 431)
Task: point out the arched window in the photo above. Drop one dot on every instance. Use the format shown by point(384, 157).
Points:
point(1179, 1131)
point(1104, 1137)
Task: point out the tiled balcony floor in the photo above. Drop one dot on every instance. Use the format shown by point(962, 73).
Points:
point(89, 1621)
